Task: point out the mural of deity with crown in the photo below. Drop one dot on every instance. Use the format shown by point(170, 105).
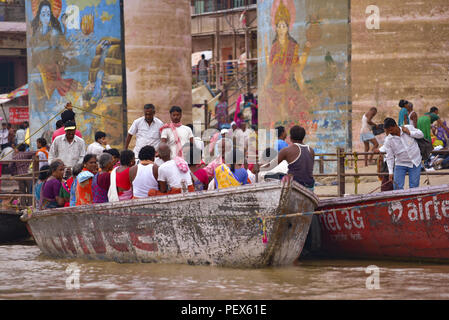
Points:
point(283, 85)
point(303, 69)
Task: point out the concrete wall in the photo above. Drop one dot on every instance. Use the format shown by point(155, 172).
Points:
point(158, 57)
point(406, 58)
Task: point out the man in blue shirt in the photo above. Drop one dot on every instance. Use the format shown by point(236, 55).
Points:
point(282, 135)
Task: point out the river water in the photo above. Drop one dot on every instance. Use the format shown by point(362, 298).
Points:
point(27, 274)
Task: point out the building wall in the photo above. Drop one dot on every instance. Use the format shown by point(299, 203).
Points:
point(158, 57)
point(12, 10)
point(227, 42)
point(406, 58)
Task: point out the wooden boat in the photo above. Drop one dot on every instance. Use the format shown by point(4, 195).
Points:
point(12, 229)
point(237, 227)
point(404, 224)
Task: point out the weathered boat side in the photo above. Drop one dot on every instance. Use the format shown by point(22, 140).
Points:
point(407, 225)
point(223, 227)
point(12, 229)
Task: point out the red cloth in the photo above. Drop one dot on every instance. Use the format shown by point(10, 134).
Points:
point(69, 182)
point(61, 131)
point(104, 180)
point(122, 179)
point(237, 110)
point(170, 125)
point(202, 175)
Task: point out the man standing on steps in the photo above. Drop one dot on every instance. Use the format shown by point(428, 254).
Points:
point(146, 129)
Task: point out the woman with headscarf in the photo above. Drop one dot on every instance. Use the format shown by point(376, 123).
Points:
point(85, 178)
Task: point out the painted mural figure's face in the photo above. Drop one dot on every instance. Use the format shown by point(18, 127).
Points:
point(282, 29)
point(44, 15)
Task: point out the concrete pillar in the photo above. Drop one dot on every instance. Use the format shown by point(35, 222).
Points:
point(158, 51)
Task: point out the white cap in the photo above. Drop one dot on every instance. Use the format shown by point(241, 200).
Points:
point(224, 131)
point(232, 123)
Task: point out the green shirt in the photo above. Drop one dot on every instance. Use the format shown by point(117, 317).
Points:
point(63, 193)
point(433, 117)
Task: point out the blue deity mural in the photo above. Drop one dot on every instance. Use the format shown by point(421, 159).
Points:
point(75, 55)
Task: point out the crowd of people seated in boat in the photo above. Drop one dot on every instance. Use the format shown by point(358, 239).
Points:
point(167, 159)
point(108, 179)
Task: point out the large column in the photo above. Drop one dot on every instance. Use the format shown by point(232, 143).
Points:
point(303, 69)
point(158, 49)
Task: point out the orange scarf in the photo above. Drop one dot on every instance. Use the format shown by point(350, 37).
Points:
point(44, 150)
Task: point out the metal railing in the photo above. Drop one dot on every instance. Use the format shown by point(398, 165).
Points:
point(343, 159)
point(205, 6)
point(230, 74)
point(32, 176)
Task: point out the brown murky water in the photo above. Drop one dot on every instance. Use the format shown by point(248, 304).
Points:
point(27, 274)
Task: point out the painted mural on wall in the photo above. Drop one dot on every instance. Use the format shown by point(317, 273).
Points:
point(75, 55)
point(303, 67)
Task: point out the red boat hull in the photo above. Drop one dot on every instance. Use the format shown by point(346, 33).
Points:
point(407, 225)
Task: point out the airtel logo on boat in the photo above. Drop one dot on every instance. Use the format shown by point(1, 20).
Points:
point(349, 219)
point(419, 209)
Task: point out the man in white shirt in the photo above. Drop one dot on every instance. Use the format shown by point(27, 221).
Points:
point(402, 153)
point(242, 135)
point(199, 144)
point(172, 178)
point(99, 145)
point(69, 148)
point(183, 133)
point(146, 129)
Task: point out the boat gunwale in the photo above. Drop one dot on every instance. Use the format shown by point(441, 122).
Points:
point(354, 199)
point(94, 208)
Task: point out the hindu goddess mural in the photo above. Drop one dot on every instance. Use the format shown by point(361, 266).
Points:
point(283, 86)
